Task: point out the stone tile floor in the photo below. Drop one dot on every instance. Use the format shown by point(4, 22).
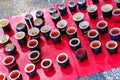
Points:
point(15, 7)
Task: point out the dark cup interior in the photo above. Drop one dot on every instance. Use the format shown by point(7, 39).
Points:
point(73, 42)
point(34, 55)
point(102, 24)
point(29, 68)
point(71, 30)
point(14, 75)
point(46, 63)
point(1, 77)
point(54, 34)
point(32, 43)
point(92, 33)
point(117, 12)
point(8, 60)
point(80, 51)
point(111, 44)
point(62, 58)
point(115, 31)
point(95, 44)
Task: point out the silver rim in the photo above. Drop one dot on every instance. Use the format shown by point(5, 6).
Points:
point(76, 40)
point(97, 46)
point(111, 41)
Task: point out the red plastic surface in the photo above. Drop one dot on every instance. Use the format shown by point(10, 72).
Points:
point(94, 63)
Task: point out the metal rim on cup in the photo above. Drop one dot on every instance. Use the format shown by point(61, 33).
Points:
point(12, 57)
point(111, 7)
point(38, 22)
point(6, 20)
point(55, 16)
point(34, 45)
point(15, 77)
point(63, 22)
point(78, 42)
point(113, 12)
point(13, 46)
point(21, 32)
point(33, 29)
point(28, 16)
point(117, 1)
point(85, 24)
point(4, 76)
point(20, 25)
point(111, 41)
point(45, 29)
point(93, 7)
point(54, 31)
point(62, 61)
point(118, 29)
point(38, 54)
point(80, 14)
point(106, 24)
point(81, 1)
point(71, 28)
point(52, 10)
point(7, 38)
point(73, 4)
point(42, 63)
point(63, 6)
point(93, 31)
point(28, 65)
point(95, 41)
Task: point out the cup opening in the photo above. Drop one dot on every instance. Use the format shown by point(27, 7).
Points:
point(38, 22)
point(78, 17)
point(92, 33)
point(8, 60)
point(72, 3)
point(2, 77)
point(74, 42)
point(115, 31)
point(39, 12)
point(45, 29)
point(20, 25)
point(46, 63)
point(102, 24)
point(32, 43)
point(33, 31)
point(9, 47)
point(92, 8)
point(4, 38)
point(52, 9)
point(71, 30)
point(80, 51)
point(55, 15)
point(111, 44)
point(28, 16)
point(34, 55)
point(14, 75)
point(62, 58)
point(19, 35)
point(30, 68)
point(106, 7)
point(54, 34)
point(117, 12)
point(61, 6)
point(4, 22)
point(95, 44)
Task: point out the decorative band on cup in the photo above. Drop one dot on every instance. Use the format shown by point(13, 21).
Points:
point(112, 46)
point(5, 24)
point(4, 39)
point(30, 70)
point(52, 10)
point(39, 14)
point(55, 36)
point(71, 32)
point(21, 27)
point(10, 48)
point(116, 14)
point(96, 46)
point(102, 27)
point(55, 17)
point(63, 9)
point(107, 10)
point(93, 35)
point(21, 38)
point(9, 62)
point(15, 75)
point(84, 26)
point(72, 6)
point(81, 54)
point(81, 4)
point(3, 76)
point(75, 43)
point(92, 11)
point(63, 60)
point(47, 65)
point(38, 23)
point(28, 19)
point(115, 33)
point(117, 3)
point(33, 45)
point(95, 1)
point(34, 57)
point(46, 31)
point(78, 17)
point(62, 25)
point(34, 33)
